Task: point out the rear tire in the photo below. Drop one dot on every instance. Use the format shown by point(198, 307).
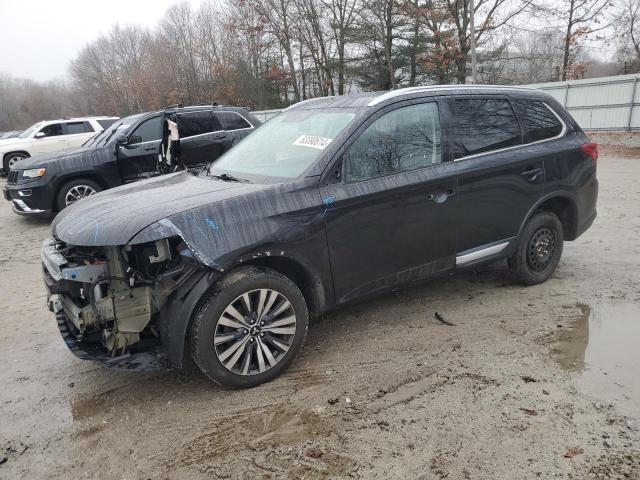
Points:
point(248, 327)
point(11, 159)
point(539, 249)
point(75, 190)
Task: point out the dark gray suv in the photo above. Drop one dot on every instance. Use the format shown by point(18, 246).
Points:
point(333, 200)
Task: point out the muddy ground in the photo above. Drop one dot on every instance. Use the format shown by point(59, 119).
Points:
point(528, 382)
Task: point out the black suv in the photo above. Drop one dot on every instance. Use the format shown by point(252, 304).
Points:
point(125, 152)
point(332, 200)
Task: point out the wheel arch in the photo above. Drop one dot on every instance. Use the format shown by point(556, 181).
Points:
point(564, 206)
point(62, 181)
point(175, 320)
point(13, 152)
point(299, 272)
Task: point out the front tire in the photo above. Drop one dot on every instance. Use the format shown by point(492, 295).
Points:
point(10, 159)
point(75, 190)
point(249, 327)
point(539, 249)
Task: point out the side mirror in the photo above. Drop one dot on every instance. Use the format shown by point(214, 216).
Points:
point(121, 139)
point(39, 135)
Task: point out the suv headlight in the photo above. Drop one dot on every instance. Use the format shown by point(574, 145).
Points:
point(33, 173)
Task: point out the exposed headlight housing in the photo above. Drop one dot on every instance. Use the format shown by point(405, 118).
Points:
point(33, 173)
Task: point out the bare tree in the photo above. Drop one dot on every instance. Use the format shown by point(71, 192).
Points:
point(490, 16)
point(343, 16)
point(581, 18)
point(627, 17)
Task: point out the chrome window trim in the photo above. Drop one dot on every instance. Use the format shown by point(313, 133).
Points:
point(560, 135)
point(148, 141)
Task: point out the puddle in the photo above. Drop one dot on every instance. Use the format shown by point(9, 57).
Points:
point(600, 343)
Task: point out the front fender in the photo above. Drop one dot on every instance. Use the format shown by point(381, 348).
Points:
point(174, 318)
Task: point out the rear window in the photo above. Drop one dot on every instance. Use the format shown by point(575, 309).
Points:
point(107, 123)
point(72, 128)
point(484, 124)
point(232, 121)
point(196, 123)
point(538, 121)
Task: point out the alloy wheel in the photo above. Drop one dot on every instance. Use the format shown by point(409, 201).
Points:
point(77, 192)
point(541, 249)
point(13, 160)
point(254, 332)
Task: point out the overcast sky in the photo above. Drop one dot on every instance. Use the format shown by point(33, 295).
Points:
point(38, 38)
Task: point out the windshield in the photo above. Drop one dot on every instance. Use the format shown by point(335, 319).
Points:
point(286, 145)
point(104, 136)
point(30, 130)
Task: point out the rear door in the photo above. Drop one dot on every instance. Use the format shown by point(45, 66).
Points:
point(138, 158)
point(76, 133)
point(201, 137)
point(499, 178)
point(52, 139)
point(392, 216)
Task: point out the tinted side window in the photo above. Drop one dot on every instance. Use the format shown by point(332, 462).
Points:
point(147, 131)
point(72, 128)
point(52, 130)
point(399, 141)
point(232, 121)
point(484, 124)
point(538, 122)
point(196, 123)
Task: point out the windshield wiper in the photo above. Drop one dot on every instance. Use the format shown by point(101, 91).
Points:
point(230, 178)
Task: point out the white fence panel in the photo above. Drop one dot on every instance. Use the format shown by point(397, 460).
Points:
point(606, 103)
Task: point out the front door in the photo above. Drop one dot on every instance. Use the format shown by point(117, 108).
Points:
point(392, 217)
point(138, 158)
point(51, 139)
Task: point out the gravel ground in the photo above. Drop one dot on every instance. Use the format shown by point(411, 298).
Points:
point(527, 382)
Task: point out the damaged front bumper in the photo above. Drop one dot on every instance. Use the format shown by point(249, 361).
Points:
point(153, 359)
point(107, 300)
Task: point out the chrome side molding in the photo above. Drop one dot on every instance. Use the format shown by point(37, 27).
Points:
point(480, 253)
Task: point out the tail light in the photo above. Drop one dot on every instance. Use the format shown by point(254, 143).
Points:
point(590, 149)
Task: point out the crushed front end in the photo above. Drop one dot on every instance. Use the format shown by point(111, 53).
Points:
point(107, 300)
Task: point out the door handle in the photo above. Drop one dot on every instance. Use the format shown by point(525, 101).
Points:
point(440, 196)
point(532, 174)
point(149, 149)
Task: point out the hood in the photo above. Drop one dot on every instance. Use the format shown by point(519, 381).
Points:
point(7, 144)
point(46, 159)
point(115, 216)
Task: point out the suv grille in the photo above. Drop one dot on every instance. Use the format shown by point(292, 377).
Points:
point(13, 176)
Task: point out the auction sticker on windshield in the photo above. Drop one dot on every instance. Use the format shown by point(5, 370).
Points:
point(312, 141)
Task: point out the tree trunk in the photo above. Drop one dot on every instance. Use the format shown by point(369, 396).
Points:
point(414, 46)
point(389, 42)
point(567, 41)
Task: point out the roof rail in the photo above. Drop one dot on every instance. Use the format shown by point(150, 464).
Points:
point(175, 105)
point(409, 90)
